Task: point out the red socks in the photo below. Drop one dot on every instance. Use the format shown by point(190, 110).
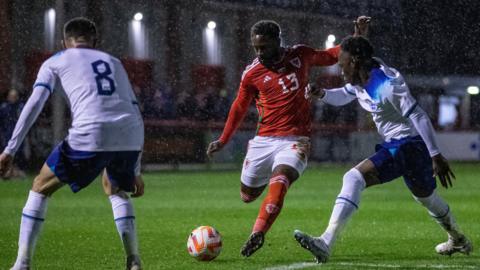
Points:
point(272, 204)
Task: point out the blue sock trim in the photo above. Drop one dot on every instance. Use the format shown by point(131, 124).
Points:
point(345, 199)
point(32, 217)
point(444, 215)
point(127, 217)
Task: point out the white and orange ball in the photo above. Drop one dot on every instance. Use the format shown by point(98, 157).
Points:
point(204, 243)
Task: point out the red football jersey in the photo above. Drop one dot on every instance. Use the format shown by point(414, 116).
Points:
point(279, 93)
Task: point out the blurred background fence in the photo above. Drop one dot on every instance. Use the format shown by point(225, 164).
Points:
point(185, 60)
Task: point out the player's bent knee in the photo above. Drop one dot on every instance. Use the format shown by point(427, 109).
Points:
point(369, 172)
point(249, 194)
point(46, 186)
point(37, 186)
point(109, 189)
point(291, 173)
point(248, 198)
point(46, 181)
point(421, 193)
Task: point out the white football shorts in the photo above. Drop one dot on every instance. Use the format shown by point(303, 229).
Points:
point(266, 153)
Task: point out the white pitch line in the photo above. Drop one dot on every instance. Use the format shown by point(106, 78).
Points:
point(302, 265)
point(425, 266)
point(379, 265)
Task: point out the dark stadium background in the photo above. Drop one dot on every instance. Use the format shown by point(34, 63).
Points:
point(185, 92)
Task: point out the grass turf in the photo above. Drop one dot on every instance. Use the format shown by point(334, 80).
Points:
point(391, 230)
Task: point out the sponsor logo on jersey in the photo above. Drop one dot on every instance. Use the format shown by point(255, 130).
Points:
point(266, 79)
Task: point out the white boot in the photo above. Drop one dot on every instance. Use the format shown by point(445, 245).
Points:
point(316, 245)
point(462, 245)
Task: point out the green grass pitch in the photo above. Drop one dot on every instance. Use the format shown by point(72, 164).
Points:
point(391, 230)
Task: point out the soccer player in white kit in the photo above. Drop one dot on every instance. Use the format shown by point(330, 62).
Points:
point(106, 136)
point(409, 148)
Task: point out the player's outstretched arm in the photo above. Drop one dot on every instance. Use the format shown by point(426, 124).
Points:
point(361, 25)
point(423, 125)
point(6, 161)
point(337, 96)
point(213, 147)
point(29, 114)
point(441, 169)
point(139, 184)
point(139, 187)
point(407, 106)
point(312, 92)
point(235, 118)
point(330, 56)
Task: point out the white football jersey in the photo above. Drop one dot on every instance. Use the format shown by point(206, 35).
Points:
point(105, 113)
point(388, 99)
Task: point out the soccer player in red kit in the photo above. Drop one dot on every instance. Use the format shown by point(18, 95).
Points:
point(277, 155)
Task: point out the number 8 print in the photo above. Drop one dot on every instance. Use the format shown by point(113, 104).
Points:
point(102, 74)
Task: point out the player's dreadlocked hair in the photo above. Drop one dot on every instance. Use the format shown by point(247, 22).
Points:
point(80, 27)
point(361, 50)
point(266, 28)
point(358, 47)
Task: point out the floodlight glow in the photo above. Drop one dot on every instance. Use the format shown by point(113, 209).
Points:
point(138, 16)
point(211, 25)
point(211, 45)
point(473, 90)
point(138, 39)
point(49, 29)
point(51, 14)
point(331, 38)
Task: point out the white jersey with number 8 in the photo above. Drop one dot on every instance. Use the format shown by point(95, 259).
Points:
point(105, 113)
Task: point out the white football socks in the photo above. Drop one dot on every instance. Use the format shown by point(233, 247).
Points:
point(440, 211)
point(125, 222)
point(346, 203)
point(33, 215)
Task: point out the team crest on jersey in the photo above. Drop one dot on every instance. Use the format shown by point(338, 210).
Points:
point(296, 62)
point(266, 79)
point(373, 106)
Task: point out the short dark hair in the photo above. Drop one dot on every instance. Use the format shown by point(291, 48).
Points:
point(266, 28)
point(80, 27)
point(358, 47)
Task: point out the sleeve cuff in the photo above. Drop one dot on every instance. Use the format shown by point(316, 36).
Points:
point(45, 85)
point(434, 152)
point(9, 152)
point(349, 90)
point(409, 111)
point(223, 140)
point(325, 96)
